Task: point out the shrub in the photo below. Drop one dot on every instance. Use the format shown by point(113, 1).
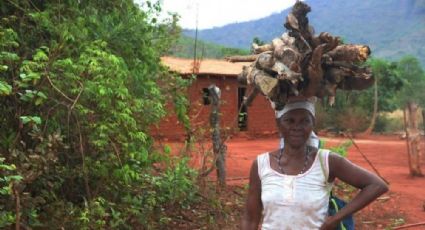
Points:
point(79, 89)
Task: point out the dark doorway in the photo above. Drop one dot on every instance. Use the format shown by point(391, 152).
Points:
point(206, 96)
point(242, 110)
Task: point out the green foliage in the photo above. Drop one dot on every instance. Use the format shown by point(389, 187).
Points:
point(353, 109)
point(8, 178)
point(345, 114)
point(413, 75)
point(80, 86)
point(342, 149)
point(258, 41)
point(389, 83)
point(388, 124)
point(185, 48)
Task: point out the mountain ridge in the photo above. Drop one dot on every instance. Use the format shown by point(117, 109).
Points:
point(391, 28)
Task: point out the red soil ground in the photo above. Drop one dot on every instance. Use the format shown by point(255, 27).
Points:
point(404, 203)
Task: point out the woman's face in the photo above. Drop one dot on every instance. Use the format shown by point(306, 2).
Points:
point(296, 126)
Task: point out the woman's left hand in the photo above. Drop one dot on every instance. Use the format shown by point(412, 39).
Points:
point(330, 224)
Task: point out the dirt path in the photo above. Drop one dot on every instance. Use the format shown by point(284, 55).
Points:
point(406, 199)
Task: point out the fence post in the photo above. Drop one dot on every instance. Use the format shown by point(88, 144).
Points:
point(219, 148)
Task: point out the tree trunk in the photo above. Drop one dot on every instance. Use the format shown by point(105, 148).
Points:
point(375, 109)
point(219, 148)
point(413, 139)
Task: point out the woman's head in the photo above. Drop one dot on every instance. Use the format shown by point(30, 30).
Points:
point(296, 122)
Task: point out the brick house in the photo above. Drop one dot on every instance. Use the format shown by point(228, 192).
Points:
point(258, 119)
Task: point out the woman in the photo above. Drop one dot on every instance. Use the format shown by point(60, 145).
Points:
point(289, 187)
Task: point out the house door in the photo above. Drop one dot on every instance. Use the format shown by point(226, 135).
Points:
point(242, 110)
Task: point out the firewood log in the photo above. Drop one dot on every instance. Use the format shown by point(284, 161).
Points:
point(265, 61)
point(245, 77)
point(285, 73)
point(242, 76)
point(251, 73)
point(356, 83)
point(247, 58)
point(292, 22)
point(350, 53)
point(278, 46)
point(248, 100)
point(288, 40)
point(301, 64)
point(264, 82)
point(331, 41)
point(260, 49)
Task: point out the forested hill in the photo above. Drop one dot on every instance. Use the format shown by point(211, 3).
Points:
point(392, 28)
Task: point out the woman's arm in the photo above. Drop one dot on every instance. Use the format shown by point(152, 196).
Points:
point(371, 186)
point(253, 208)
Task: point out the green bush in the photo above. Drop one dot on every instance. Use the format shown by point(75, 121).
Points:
point(347, 118)
point(81, 83)
point(387, 124)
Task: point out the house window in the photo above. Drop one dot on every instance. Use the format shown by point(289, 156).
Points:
point(242, 110)
point(206, 96)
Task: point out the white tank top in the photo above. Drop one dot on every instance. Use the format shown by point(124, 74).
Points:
point(294, 201)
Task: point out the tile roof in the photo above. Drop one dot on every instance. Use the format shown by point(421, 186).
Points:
point(208, 66)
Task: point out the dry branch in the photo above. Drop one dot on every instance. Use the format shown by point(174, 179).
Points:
point(410, 225)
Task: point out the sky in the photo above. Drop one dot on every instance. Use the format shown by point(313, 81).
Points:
point(215, 13)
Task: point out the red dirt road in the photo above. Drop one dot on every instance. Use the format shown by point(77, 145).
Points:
point(388, 154)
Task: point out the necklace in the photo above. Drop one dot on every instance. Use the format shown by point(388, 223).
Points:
point(307, 155)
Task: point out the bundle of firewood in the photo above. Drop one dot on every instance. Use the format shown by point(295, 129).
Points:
point(301, 64)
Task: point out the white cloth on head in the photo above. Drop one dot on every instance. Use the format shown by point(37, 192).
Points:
point(307, 104)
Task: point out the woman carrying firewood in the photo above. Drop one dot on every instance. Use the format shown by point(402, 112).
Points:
point(289, 188)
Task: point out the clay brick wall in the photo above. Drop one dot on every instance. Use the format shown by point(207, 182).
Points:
point(170, 128)
point(260, 114)
point(261, 118)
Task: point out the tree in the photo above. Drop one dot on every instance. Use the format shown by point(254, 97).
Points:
point(413, 76)
point(387, 83)
point(78, 92)
point(258, 41)
point(411, 97)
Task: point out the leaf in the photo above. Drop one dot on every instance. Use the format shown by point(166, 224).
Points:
point(167, 149)
point(23, 76)
point(40, 56)
point(15, 177)
point(30, 119)
point(7, 167)
point(102, 91)
point(38, 101)
point(7, 56)
point(41, 95)
point(27, 96)
point(5, 89)
point(3, 68)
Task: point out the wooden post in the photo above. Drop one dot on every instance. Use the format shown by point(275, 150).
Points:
point(413, 139)
point(219, 148)
point(423, 126)
point(423, 119)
